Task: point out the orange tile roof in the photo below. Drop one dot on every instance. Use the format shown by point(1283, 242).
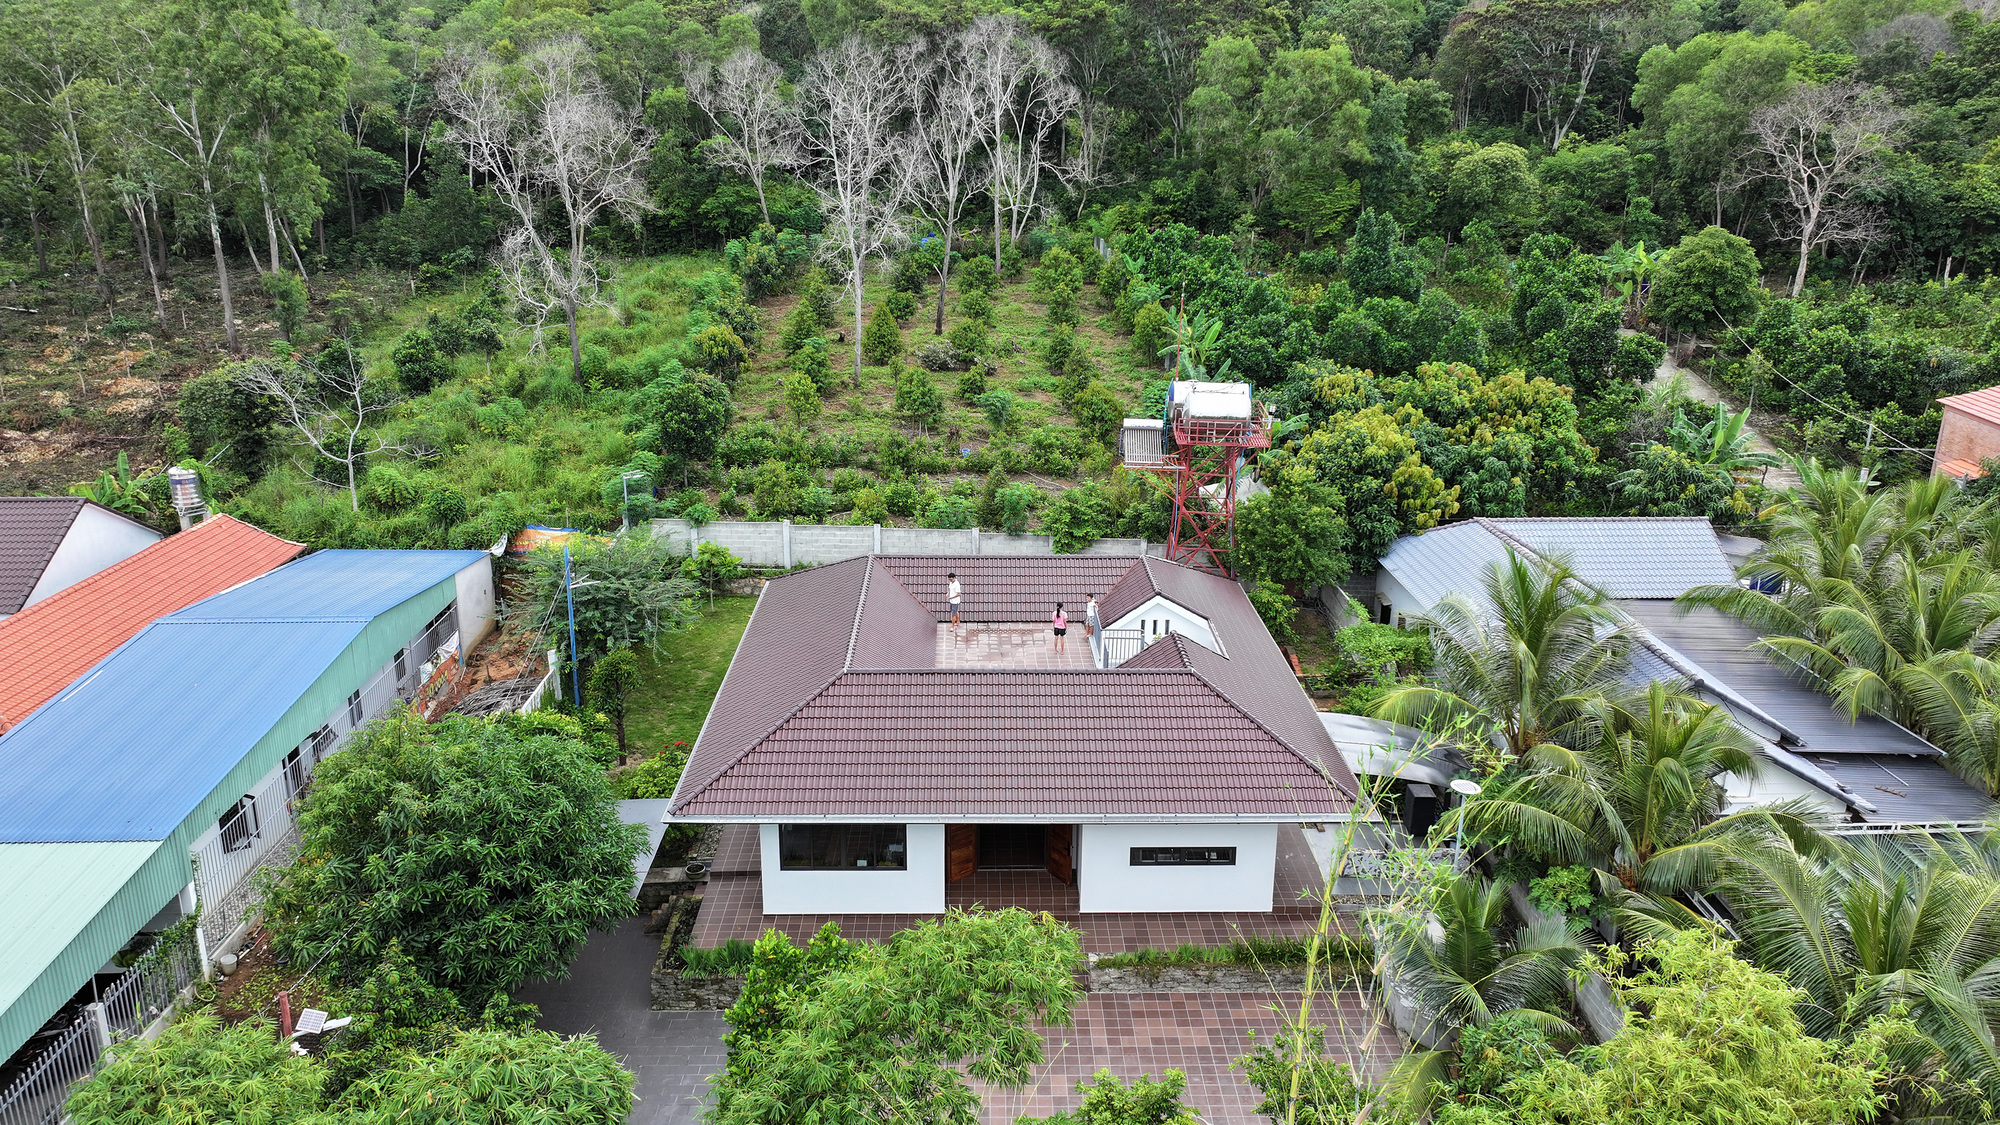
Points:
point(1962, 469)
point(1983, 405)
point(45, 647)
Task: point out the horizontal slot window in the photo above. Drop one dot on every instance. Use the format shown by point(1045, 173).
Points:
point(843, 847)
point(1183, 857)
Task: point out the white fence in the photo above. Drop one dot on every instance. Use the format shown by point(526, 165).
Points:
point(132, 1003)
point(783, 543)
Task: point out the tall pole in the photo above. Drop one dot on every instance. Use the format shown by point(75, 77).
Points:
point(569, 592)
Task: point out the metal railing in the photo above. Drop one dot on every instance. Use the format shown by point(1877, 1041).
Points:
point(550, 682)
point(261, 829)
point(132, 1003)
point(1115, 646)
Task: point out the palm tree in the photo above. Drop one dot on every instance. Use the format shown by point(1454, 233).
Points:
point(1879, 926)
point(1641, 803)
point(1455, 967)
point(1891, 600)
point(1519, 669)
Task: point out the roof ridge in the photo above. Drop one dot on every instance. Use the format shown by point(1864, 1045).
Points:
point(738, 756)
point(860, 607)
point(1319, 768)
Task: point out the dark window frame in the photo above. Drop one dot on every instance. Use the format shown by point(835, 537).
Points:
point(1183, 856)
point(844, 847)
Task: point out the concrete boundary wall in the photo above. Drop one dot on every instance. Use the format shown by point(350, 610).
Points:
point(781, 543)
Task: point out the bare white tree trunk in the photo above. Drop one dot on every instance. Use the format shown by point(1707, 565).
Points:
point(944, 138)
point(332, 411)
point(1822, 145)
point(1020, 97)
point(858, 93)
point(557, 145)
point(757, 126)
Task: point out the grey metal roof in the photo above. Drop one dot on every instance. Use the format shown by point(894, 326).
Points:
point(1721, 646)
point(1627, 556)
point(1906, 790)
point(1624, 556)
point(1444, 560)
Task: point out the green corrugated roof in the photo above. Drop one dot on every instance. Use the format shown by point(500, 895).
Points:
point(65, 912)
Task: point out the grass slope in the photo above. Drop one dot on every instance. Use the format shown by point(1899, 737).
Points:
point(679, 681)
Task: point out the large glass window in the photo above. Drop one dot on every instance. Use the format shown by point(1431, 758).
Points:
point(1183, 857)
point(842, 847)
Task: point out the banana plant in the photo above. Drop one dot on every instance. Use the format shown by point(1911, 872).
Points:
point(1631, 268)
point(116, 489)
point(1194, 345)
point(1724, 441)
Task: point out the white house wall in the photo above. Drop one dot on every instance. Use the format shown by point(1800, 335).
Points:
point(917, 889)
point(1402, 603)
point(1156, 616)
point(97, 539)
point(475, 603)
point(1108, 883)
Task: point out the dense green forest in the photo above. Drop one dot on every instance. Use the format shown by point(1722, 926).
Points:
point(409, 275)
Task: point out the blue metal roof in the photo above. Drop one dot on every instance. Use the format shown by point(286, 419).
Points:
point(143, 738)
point(126, 751)
point(332, 585)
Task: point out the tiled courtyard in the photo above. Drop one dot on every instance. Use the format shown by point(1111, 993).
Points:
point(673, 1054)
point(1023, 645)
point(733, 904)
point(1198, 1033)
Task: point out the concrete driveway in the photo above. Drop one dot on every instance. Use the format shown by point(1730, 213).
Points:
point(670, 1054)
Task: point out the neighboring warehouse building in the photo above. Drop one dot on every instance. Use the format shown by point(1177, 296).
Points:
point(48, 543)
point(1968, 434)
point(189, 741)
point(1868, 771)
point(883, 754)
point(44, 648)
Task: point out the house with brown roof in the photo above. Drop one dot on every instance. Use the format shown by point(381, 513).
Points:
point(1968, 434)
point(49, 543)
point(883, 755)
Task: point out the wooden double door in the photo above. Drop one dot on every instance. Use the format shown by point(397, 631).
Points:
point(970, 848)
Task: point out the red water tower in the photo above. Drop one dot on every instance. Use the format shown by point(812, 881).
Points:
point(1199, 446)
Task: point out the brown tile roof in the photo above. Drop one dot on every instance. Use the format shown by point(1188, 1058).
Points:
point(47, 646)
point(1007, 588)
point(831, 707)
point(31, 528)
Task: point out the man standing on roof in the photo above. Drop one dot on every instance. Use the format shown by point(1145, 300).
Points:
point(1090, 617)
point(952, 593)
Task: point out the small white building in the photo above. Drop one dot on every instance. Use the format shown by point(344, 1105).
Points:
point(885, 756)
point(50, 543)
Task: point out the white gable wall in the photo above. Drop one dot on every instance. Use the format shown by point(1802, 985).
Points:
point(475, 604)
point(917, 889)
point(96, 540)
point(1157, 616)
point(1107, 881)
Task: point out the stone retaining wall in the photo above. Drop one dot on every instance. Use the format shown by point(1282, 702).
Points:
point(1200, 978)
point(673, 992)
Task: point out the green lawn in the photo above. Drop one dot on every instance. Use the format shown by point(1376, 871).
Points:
point(678, 682)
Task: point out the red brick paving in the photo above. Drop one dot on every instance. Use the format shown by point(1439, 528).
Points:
point(1199, 1033)
point(733, 905)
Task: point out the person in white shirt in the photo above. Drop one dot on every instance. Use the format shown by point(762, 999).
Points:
point(953, 592)
point(1090, 616)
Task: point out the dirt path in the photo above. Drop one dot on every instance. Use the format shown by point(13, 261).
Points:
point(1776, 478)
